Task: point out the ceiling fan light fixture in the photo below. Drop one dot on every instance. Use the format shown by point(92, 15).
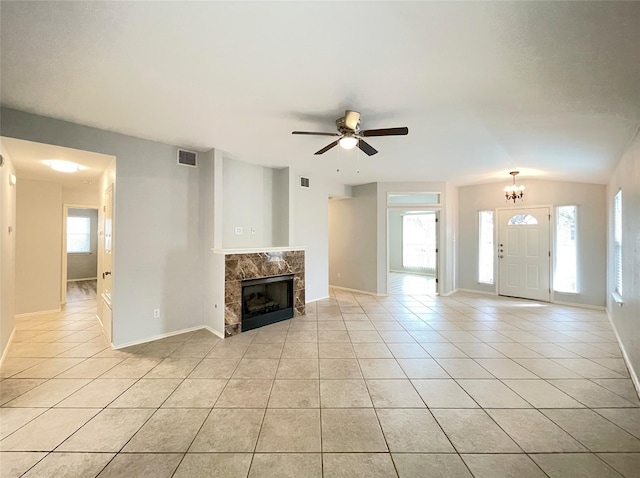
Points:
point(63, 166)
point(348, 142)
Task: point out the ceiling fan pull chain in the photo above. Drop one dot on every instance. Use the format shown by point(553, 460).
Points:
point(358, 161)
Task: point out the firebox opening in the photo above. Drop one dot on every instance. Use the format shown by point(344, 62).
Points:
point(266, 301)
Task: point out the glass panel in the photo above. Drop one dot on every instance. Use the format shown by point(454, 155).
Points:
point(413, 198)
point(485, 247)
point(522, 219)
point(566, 271)
point(419, 242)
point(78, 234)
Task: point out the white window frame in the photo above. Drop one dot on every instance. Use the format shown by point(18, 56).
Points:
point(87, 234)
point(480, 248)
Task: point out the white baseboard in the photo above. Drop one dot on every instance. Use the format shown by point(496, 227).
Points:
point(357, 291)
point(318, 299)
point(41, 312)
point(6, 349)
point(169, 334)
point(474, 291)
point(582, 306)
point(625, 356)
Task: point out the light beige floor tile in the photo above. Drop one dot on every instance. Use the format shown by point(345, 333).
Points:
point(167, 431)
point(300, 350)
point(490, 466)
point(623, 387)
point(590, 394)
point(439, 466)
point(13, 418)
point(443, 350)
point(70, 464)
point(286, 465)
point(394, 394)
point(574, 465)
point(340, 336)
point(196, 393)
point(515, 350)
point(413, 431)
point(38, 349)
point(49, 368)
point(12, 388)
point(331, 325)
point(505, 368)
point(245, 394)
point(12, 366)
point(348, 465)
point(491, 393)
point(541, 394)
point(298, 369)
point(290, 431)
point(48, 393)
point(351, 430)
point(193, 350)
point(206, 465)
point(159, 349)
point(444, 393)
point(381, 368)
point(264, 351)
point(408, 351)
point(133, 367)
point(339, 369)
point(344, 394)
point(14, 463)
point(146, 393)
point(158, 465)
point(48, 430)
point(473, 431)
point(627, 464)
point(588, 368)
point(215, 368)
point(546, 368)
point(90, 368)
point(108, 431)
point(626, 418)
point(463, 368)
point(256, 368)
point(372, 350)
point(229, 350)
point(593, 431)
point(302, 336)
point(422, 368)
point(173, 368)
point(228, 430)
point(364, 336)
point(98, 393)
point(534, 432)
point(295, 394)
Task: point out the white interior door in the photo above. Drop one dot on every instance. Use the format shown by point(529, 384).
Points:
point(524, 256)
point(107, 263)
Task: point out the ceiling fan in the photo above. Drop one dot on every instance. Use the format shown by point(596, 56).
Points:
point(350, 134)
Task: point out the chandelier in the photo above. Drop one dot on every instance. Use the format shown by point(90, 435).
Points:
point(514, 192)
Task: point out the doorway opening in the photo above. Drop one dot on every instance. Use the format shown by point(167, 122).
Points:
point(80, 253)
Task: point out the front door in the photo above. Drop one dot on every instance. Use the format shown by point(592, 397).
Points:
point(524, 253)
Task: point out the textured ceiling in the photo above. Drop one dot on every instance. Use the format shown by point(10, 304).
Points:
point(550, 88)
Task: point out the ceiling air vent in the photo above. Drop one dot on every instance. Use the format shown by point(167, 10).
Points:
point(187, 158)
point(304, 182)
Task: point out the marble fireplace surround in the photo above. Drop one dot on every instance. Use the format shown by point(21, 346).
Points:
point(246, 264)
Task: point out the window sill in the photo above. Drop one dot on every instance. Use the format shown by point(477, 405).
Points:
point(617, 298)
point(79, 253)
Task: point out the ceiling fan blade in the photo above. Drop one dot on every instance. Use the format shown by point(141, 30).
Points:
point(367, 148)
point(315, 133)
point(327, 147)
point(385, 132)
point(351, 119)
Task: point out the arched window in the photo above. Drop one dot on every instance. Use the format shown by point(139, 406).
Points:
point(522, 220)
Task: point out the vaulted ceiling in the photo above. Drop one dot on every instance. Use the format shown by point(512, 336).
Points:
point(550, 88)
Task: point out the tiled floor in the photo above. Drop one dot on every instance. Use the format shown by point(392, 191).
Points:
point(409, 386)
point(403, 283)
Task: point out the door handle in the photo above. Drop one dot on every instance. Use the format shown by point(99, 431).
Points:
point(501, 256)
point(105, 274)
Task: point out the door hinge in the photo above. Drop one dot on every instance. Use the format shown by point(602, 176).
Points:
point(436, 250)
point(436, 280)
point(436, 219)
point(549, 253)
point(549, 217)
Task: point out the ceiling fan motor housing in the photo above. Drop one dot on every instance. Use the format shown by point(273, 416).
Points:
point(343, 129)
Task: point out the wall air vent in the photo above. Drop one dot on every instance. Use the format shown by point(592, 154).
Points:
point(304, 182)
point(187, 158)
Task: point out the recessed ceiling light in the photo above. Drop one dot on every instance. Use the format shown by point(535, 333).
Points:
point(63, 166)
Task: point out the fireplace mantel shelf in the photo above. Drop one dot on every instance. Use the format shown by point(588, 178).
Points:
point(258, 250)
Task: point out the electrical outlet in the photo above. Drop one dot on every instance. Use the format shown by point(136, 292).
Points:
point(156, 313)
point(253, 230)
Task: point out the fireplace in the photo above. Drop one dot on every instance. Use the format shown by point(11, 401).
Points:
point(266, 300)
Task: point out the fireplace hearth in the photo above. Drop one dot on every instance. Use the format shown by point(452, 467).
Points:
point(266, 300)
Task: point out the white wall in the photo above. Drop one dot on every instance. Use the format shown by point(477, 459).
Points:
point(395, 240)
point(157, 241)
point(352, 240)
point(38, 246)
point(7, 250)
point(626, 319)
point(89, 196)
point(591, 235)
point(248, 202)
point(84, 265)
